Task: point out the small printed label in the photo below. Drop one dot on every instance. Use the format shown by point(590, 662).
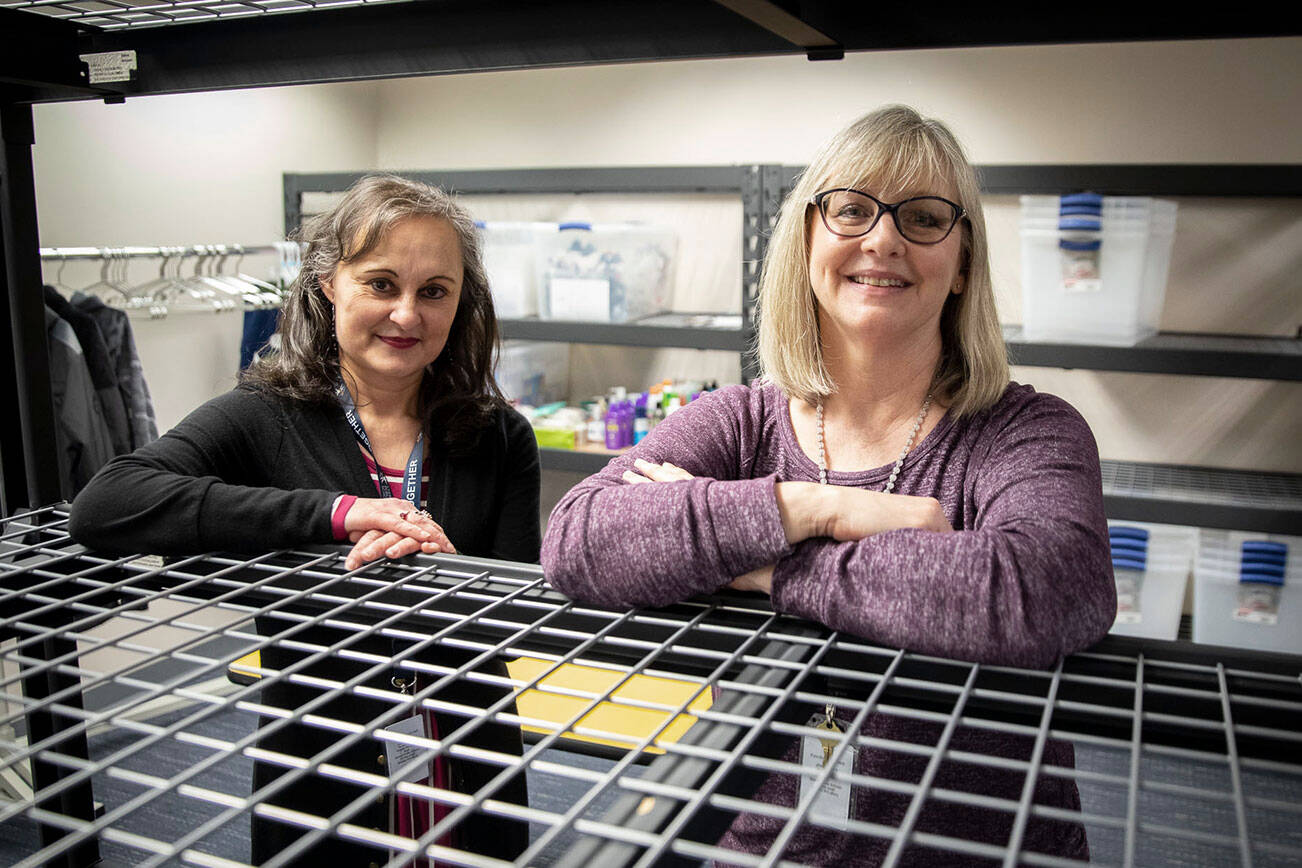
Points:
point(148, 562)
point(1080, 271)
point(1128, 589)
point(107, 67)
point(1258, 604)
point(835, 799)
point(398, 754)
point(585, 298)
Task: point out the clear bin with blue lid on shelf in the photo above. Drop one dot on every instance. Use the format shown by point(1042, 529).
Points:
point(1248, 591)
point(1094, 268)
point(1151, 565)
point(606, 272)
point(510, 251)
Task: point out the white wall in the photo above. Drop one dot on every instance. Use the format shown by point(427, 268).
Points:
point(1205, 101)
point(203, 168)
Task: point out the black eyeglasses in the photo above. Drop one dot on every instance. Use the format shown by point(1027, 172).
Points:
point(922, 219)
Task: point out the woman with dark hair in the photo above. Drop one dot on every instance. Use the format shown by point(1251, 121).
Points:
point(377, 422)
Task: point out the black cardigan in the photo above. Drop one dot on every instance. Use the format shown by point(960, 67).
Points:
point(252, 471)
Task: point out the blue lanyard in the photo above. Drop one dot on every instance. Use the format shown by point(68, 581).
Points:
point(411, 477)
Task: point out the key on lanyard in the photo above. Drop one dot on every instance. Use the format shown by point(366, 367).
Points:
point(828, 724)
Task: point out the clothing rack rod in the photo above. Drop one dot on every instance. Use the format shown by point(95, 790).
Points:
point(63, 253)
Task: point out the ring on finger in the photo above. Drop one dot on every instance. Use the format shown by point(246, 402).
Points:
point(402, 516)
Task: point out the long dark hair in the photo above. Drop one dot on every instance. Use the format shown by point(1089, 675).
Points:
point(458, 394)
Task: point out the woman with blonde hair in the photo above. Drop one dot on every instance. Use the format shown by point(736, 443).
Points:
point(883, 478)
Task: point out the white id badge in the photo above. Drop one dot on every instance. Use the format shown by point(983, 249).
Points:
point(397, 754)
point(835, 799)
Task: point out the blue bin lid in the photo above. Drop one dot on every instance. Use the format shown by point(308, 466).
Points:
point(1129, 547)
point(1262, 561)
point(1092, 199)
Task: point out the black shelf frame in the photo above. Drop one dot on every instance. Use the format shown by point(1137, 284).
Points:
point(448, 36)
point(1185, 354)
point(634, 334)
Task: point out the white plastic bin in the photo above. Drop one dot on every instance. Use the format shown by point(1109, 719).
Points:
point(534, 372)
point(1218, 617)
point(511, 259)
point(1151, 564)
point(606, 272)
point(1094, 273)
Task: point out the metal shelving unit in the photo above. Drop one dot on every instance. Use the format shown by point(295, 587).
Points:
point(1184, 754)
point(729, 332)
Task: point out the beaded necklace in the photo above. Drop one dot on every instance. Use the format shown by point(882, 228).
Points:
point(899, 462)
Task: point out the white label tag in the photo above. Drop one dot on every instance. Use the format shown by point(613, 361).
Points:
point(1128, 596)
point(1080, 271)
point(110, 66)
point(398, 754)
point(1258, 604)
point(148, 562)
point(1256, 616)
point(835, 798)
point(586, 298)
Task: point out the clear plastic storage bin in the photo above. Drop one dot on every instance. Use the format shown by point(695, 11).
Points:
point(511, 259)
point(606, 272)
point(1248, 591)
point(1094, 268)
point(534, 372)
point(1151, 565)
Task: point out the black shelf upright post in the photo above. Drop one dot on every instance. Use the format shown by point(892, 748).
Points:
point(28, 449)
point(31, 466)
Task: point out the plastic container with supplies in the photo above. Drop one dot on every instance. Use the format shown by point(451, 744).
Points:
point(1151, 564)
point(534, 372)
point(1248, 591)
point(511, 259)
point(1094, 268)
point(605, 272)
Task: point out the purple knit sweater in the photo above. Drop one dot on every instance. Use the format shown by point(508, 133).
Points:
point(1025, 581)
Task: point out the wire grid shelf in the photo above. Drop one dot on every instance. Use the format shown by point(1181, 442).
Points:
point(1182, 758)
point(1202, 485)
point(121, 14)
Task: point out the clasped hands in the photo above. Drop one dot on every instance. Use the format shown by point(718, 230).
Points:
point(391, 528)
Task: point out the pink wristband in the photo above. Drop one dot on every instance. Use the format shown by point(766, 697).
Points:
point(342, 505)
